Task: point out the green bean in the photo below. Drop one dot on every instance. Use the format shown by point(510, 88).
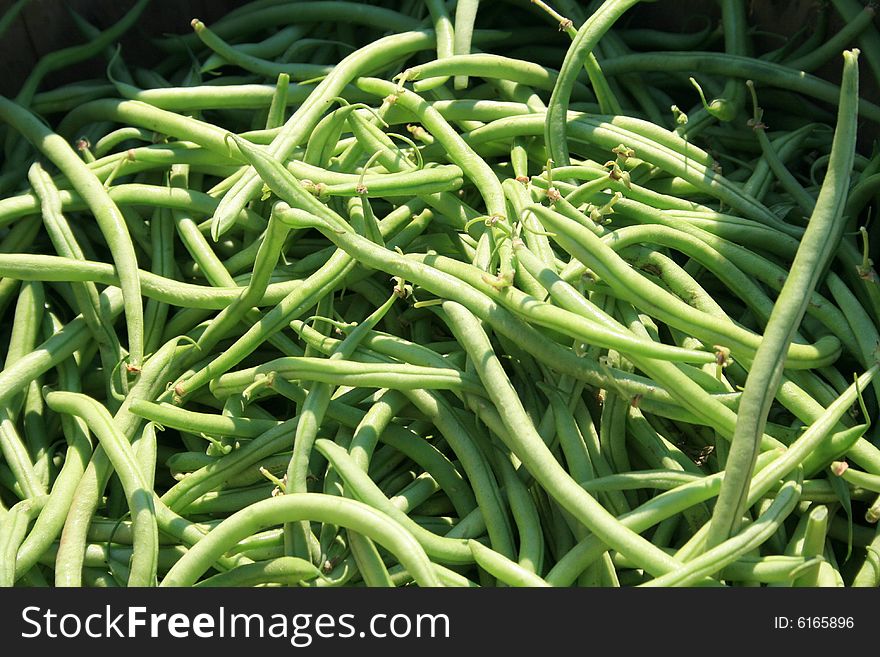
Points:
point(10, 14)
point(608, 103)
point(655, 38)
point(14, 525)
point(38, 435)
point(728, 551)
point(811, 450)
point(660, 478)
point(547, 315)
point(584, 431)
point(474, 464)
point(70, 96)
point(775, 75)
point(172, 416)
point(530, 449)
point(588, 248)
point(857, 478)
point(307, 12)
point(161, 121)
point(99, 578)
point(764, 375)
point(68, 56)
point(465, 15)
point(252, 63)
point(312, 413)
point(814, 544)
point(769, 570)
point(450, 287)
point(271, 46)
point(65, 243)
point(228, 500)
point(265, 262)
point(461, 154)
point(430, 180)
point(869, 572)
point(293, 304)
point(761, 268)
point(277, 438)
point(194, 242)
point(443, 27)
point(162, 242)
point(204, 97)
point(51, 519)
point(166, 290)
point(283, 570)
point(24, 332)
point(90, 487)
point(863, 328)
point(376, 419)
point(758, 184)
point(143, 568)
point(850, 31)
point(612, 437)
point(869, 41)
point(325, 138)
point(106, 213)
point(483, 64)
point(447, 577)
point(390, 375)
point(276, 112)
point(202, 481)
point(292, 508)
point(581, 47)
point(663, 506)
point(591, 172)
point(604, 133)
point(109, 141)
point(378, 54)
point(362, 488)
point(368, 561)
point(531, 541)
point(733, 23)
point(503, 568)
point(458, 433)
point(116, 558)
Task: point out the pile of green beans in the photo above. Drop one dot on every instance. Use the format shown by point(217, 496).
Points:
point(443, 294)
